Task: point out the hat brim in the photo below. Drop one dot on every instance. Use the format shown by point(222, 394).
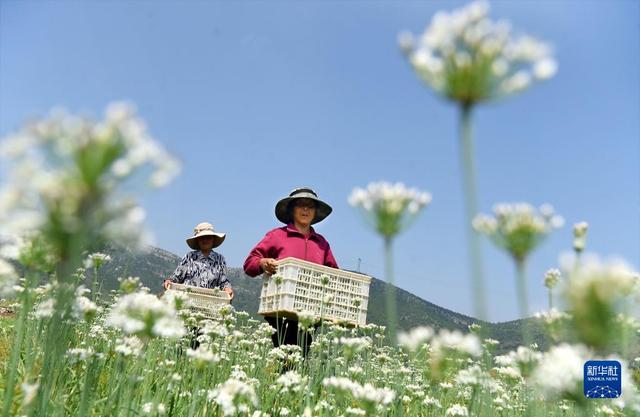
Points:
point(218, 238)
point(322, 209)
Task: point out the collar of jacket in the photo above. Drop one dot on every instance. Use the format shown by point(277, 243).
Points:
point(290, 228)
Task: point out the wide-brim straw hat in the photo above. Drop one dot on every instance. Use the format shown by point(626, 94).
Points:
point(284, 214)
point(205, 229)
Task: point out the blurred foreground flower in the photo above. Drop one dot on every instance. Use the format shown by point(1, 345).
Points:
point(144, 315)
point(389, 209)
point(65, 166)
point(469, 59)
point(63, 186)
point(580, 236)
point(596, 293)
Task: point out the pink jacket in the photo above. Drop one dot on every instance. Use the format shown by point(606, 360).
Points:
point(288, 241)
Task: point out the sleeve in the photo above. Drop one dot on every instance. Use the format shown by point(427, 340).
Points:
point(178, 275)
point(223, 281)
point(261, 250)
point(329, 260)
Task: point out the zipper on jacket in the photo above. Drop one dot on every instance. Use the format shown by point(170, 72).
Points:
point(305, 248)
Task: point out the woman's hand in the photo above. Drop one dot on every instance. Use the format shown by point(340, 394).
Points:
point(268, 265)
point(166, 284)
point(229, 291)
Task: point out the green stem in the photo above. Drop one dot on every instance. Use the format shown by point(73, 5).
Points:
point(625, 330)
point(523, 300)
point(471, 210)
point(550, 298)
point(12, 364)
point(392, 321)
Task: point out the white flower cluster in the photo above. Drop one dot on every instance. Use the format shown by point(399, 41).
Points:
point(203, 355)
point(355, 342)
point(144, 315)
point(366, 394)
point(291, 382)
point(151, 408)
point(607, 281)
point(455, 340)
point(306, 319)
point(96, 260)
point(233, 397)
point(580, 236)
point(55, 159)
point(552, 316)
point(560, 371)
point(389, 207)
point(415, 338)
point(469, 58)
point(457, 410)
point(518, 363)
point(551, 277)
point(129, 346)
point(519, 227)
point(84, 308)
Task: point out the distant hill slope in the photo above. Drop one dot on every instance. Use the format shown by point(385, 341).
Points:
point(153, 264)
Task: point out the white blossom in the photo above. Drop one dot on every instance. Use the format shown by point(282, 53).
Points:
point(560, 370)
point(457, 410)
point(518, 228)
point(234, 396)
point(551, 277)
point(469, 58)
point(366, 393)
point(415, 338)
point(389, 208)
point(145, 315)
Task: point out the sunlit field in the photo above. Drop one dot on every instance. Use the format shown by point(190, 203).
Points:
point(71, 186)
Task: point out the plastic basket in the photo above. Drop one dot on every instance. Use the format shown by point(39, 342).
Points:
point(206, 301)
point(346, 294)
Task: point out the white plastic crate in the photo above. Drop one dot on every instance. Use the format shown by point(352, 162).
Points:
point(301, 289)
point(202, 300)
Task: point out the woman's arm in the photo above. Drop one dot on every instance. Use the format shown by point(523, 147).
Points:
point(223, 280)
point(178, 275)
point(261, 252)
point(224, 284)
point(329, 260)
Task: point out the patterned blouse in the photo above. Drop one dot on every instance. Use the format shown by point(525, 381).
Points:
point(202, 271)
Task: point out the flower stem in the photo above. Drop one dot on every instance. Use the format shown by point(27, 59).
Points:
point(523, 301)
point(391, 293)
point(471, 209)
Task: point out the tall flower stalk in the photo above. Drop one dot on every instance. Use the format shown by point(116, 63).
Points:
point(469, 59)
point(551, 278)
point(389, 209)
point(519, 229)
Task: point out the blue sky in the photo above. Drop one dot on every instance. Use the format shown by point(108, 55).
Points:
point(256, 98)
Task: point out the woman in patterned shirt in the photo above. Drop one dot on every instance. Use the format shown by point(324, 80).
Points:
point(203, 267)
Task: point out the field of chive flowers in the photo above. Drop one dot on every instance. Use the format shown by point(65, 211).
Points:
point(133, 357)
point(67, 350)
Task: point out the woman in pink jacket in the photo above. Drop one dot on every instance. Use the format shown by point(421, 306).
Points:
point(297, 239)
